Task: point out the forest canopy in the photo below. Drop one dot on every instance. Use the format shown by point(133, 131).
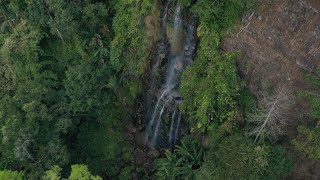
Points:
point(74, 75)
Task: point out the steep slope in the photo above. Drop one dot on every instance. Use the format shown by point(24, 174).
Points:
point(279, 43)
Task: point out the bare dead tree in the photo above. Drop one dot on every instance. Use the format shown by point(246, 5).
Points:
point(271, 118)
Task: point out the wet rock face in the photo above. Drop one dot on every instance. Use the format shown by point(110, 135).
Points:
point(153, 153)
point(279, 41)
point(174, 55)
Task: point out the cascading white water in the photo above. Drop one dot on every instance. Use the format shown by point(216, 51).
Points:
point(177, 129)
point(171, 135)
point(157, 128)
point(182, 47)
point(151, 123)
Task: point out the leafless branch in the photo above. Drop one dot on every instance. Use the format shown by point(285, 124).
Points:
point(60, 35)
point(244, 28)
point(270, 120)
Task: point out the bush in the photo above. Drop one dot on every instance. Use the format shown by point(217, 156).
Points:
point(183, 163)
point(309, 142)
point(211, 85)
point(210, 88)
point(11, 175)
point(236, 157)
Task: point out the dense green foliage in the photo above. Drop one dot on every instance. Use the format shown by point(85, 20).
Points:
point(210, 87)
point(236, 157)
point(78, 171)
point(309, 143)
point(68, 67)
point(183, 163)
point(230, 157)
point(81, 172)
point(314, 96)
point(129, 50)
point(309, 140)
point(11, 175)
point(72, 71)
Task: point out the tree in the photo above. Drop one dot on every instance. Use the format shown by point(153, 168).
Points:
point(6, 79)
point(53, 174)
point(271, 118)
point(308, 140)
point(236, 157)
point(11, 175)
point(168, 167)
point(210, 88)
point(129, 50)
point(100, 146)
point(78, 172)
point(81, 172)
point(211, 85)
point(313, 96)
point(34, 117)
point(43, 99)
point(280, 163)
point(183, 163)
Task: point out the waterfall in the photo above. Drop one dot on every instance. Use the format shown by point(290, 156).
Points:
point(166, 13)
point(170, 140)
point(179, 56)
point(177, 129)
point(151, 123)
point(157, 128)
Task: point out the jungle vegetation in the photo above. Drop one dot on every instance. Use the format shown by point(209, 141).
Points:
point(72, 73)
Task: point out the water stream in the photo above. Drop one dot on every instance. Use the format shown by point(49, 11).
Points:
point(178, 46)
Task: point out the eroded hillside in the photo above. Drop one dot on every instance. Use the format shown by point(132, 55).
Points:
point(280, 43)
